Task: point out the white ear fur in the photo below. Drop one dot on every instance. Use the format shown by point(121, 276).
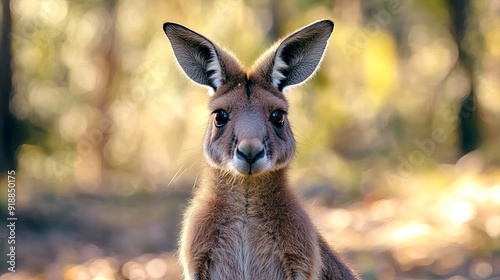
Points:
point(196, 55)
point(298, 56)
point(276, 75)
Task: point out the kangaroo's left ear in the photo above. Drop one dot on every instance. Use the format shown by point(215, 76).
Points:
point(297, 57)
point(201, 60)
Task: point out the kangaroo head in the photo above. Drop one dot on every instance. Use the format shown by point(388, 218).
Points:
point(248, 131)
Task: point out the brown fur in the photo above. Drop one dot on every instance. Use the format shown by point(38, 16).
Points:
point(245, 221)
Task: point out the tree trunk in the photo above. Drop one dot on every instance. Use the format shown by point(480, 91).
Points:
point(8, 122)
point(469, 133)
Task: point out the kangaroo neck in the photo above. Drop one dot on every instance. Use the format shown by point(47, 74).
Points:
point(221, 182)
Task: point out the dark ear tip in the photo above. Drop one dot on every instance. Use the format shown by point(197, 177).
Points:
point(328, 23)
point(171, 26)
point(167, 25)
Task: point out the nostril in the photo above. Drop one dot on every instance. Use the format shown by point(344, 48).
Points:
point(250, 156)
point(241, 155)
point(258, 155)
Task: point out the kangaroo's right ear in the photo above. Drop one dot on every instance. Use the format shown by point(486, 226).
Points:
point(197, 56)
point(297, 57)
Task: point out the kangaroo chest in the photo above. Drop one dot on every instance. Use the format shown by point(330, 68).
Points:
point(247, 245)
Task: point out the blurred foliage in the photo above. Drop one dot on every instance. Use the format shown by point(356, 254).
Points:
point(115, 130)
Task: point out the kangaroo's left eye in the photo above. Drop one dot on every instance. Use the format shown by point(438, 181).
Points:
point(277, 118)
point(221, 118)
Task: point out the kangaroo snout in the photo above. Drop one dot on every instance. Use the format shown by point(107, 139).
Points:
point(250, 150)
point(250, 157)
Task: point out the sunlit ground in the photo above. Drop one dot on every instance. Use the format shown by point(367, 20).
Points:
point(435, 225)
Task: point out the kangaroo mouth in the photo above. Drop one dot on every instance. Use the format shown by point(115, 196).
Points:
point(250, 169)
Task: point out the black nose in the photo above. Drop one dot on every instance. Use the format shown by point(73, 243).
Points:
point(250, 154)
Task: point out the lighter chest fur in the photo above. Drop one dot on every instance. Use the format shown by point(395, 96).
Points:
point(245, 241)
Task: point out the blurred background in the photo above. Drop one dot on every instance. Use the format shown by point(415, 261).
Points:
point(398, 134)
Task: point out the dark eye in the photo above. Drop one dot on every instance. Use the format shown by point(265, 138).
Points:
point(277, 118)
point(221, 118)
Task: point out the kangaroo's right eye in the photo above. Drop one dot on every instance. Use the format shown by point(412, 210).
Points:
point(221, 118)
point(277, 118)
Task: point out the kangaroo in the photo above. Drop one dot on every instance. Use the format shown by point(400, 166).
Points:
point(245, 221)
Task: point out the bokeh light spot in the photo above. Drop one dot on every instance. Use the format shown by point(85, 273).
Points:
point(481, 270)
point(492, 226)
point(156, 268)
